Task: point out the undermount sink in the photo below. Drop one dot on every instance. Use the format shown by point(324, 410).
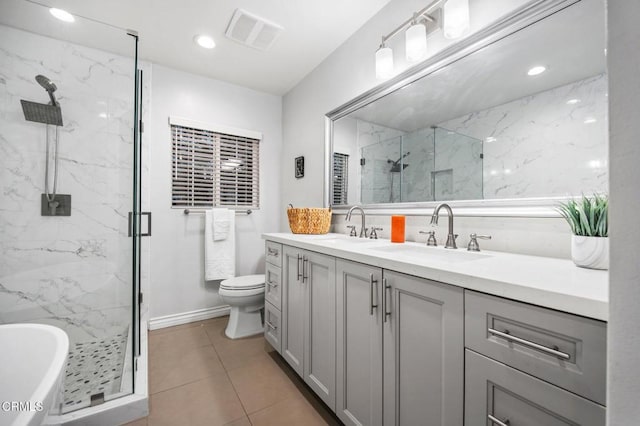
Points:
point(32, 364)
point(426, 252)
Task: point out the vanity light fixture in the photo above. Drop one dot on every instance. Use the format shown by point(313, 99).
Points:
point(537, 70)
point(456, 18)
point(62, 15)
point(204, 41)
point(416, 30)
point(451, 15)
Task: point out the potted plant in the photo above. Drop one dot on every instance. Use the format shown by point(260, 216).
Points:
point(587, 218)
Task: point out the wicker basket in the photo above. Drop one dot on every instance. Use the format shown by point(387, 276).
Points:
point(309, 220)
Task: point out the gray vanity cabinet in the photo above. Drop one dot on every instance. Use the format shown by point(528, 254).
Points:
point(308, 318)
point(423, 351)
point(500, 395)
point(359, 344)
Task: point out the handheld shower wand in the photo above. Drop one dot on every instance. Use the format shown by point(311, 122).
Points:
point(49, 86)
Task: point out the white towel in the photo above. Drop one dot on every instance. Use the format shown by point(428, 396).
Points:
point(219, 256)
point(221, 223)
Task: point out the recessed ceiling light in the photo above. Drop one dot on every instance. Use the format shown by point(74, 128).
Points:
point(590, 120)
point(205, 41)
point(536, 70)
point(573, 101)
point(62, 15)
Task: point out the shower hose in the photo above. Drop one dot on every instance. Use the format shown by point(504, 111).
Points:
point(51, 197)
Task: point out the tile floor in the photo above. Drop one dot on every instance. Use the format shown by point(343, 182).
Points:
point(197, 376)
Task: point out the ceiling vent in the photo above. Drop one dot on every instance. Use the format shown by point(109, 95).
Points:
point(252, 30)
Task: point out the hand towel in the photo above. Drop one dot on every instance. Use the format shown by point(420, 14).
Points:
point(219, 256)
point(221, 223)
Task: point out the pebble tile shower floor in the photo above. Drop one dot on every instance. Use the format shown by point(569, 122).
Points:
point(94, 367)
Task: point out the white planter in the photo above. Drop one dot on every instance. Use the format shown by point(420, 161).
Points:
point(590, 252)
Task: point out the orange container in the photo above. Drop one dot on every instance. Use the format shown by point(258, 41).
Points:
point(397, 229)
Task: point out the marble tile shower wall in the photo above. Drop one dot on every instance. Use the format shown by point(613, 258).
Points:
point(73, 272)
point(522, 133)
point(378, 144)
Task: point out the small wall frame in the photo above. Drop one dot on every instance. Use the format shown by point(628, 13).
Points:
point(299, 167)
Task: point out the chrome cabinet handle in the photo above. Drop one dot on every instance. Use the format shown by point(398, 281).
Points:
point(385, 303)
point(271, 326)
point(298, 274)
point(371, 305)
point(272, 252)
point(305, 268)
point(272, 284)
point(551, 351)
point(498, 421)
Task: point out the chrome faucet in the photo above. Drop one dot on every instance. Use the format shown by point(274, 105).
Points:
point(451, 237)
point(363, 229)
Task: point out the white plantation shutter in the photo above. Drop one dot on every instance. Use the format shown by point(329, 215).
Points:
point(340, 178)
point(214, 166)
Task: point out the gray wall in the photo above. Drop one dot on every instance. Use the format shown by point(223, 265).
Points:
point(624, 156)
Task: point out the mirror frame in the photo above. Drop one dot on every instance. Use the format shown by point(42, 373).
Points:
point(542, 207)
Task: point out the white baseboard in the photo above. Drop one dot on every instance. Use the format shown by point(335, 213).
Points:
point(187, 317)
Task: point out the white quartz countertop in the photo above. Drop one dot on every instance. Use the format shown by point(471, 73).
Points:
point(552, 283)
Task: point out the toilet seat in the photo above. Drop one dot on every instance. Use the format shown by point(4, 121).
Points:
point(246, 282)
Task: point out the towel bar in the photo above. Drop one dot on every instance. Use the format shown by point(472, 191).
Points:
point(247, 212)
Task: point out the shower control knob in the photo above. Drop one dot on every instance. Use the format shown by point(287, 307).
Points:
point(353, 232)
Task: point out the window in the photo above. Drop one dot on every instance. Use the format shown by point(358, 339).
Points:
point(340, 178)
point(214, 166)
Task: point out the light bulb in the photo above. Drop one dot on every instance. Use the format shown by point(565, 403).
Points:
point(62, 15)
point(416, 42)
point(384, 62)
point(537, 70)
point(456, 18)
point(205, 41)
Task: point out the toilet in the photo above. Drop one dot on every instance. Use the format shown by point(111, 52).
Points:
point(245, 296)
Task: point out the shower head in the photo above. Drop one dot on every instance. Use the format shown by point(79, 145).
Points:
point(49, 86)
point(43, 113)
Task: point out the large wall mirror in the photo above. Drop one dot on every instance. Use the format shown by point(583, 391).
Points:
point(520, 115)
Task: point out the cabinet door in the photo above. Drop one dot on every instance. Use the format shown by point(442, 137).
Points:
point(320, 328)
point(423, 351)
point(358, 344)
point(495, 392)
point(293, 308)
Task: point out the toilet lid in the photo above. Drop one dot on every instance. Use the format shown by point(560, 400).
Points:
point(246, 282)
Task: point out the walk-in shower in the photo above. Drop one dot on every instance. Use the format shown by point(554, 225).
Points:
point(79, 272)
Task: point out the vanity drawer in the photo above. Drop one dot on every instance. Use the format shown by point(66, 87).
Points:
point(273, 253)
point(566, 350)
point(497, 393)
point(272, 326)
point(273, 285)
